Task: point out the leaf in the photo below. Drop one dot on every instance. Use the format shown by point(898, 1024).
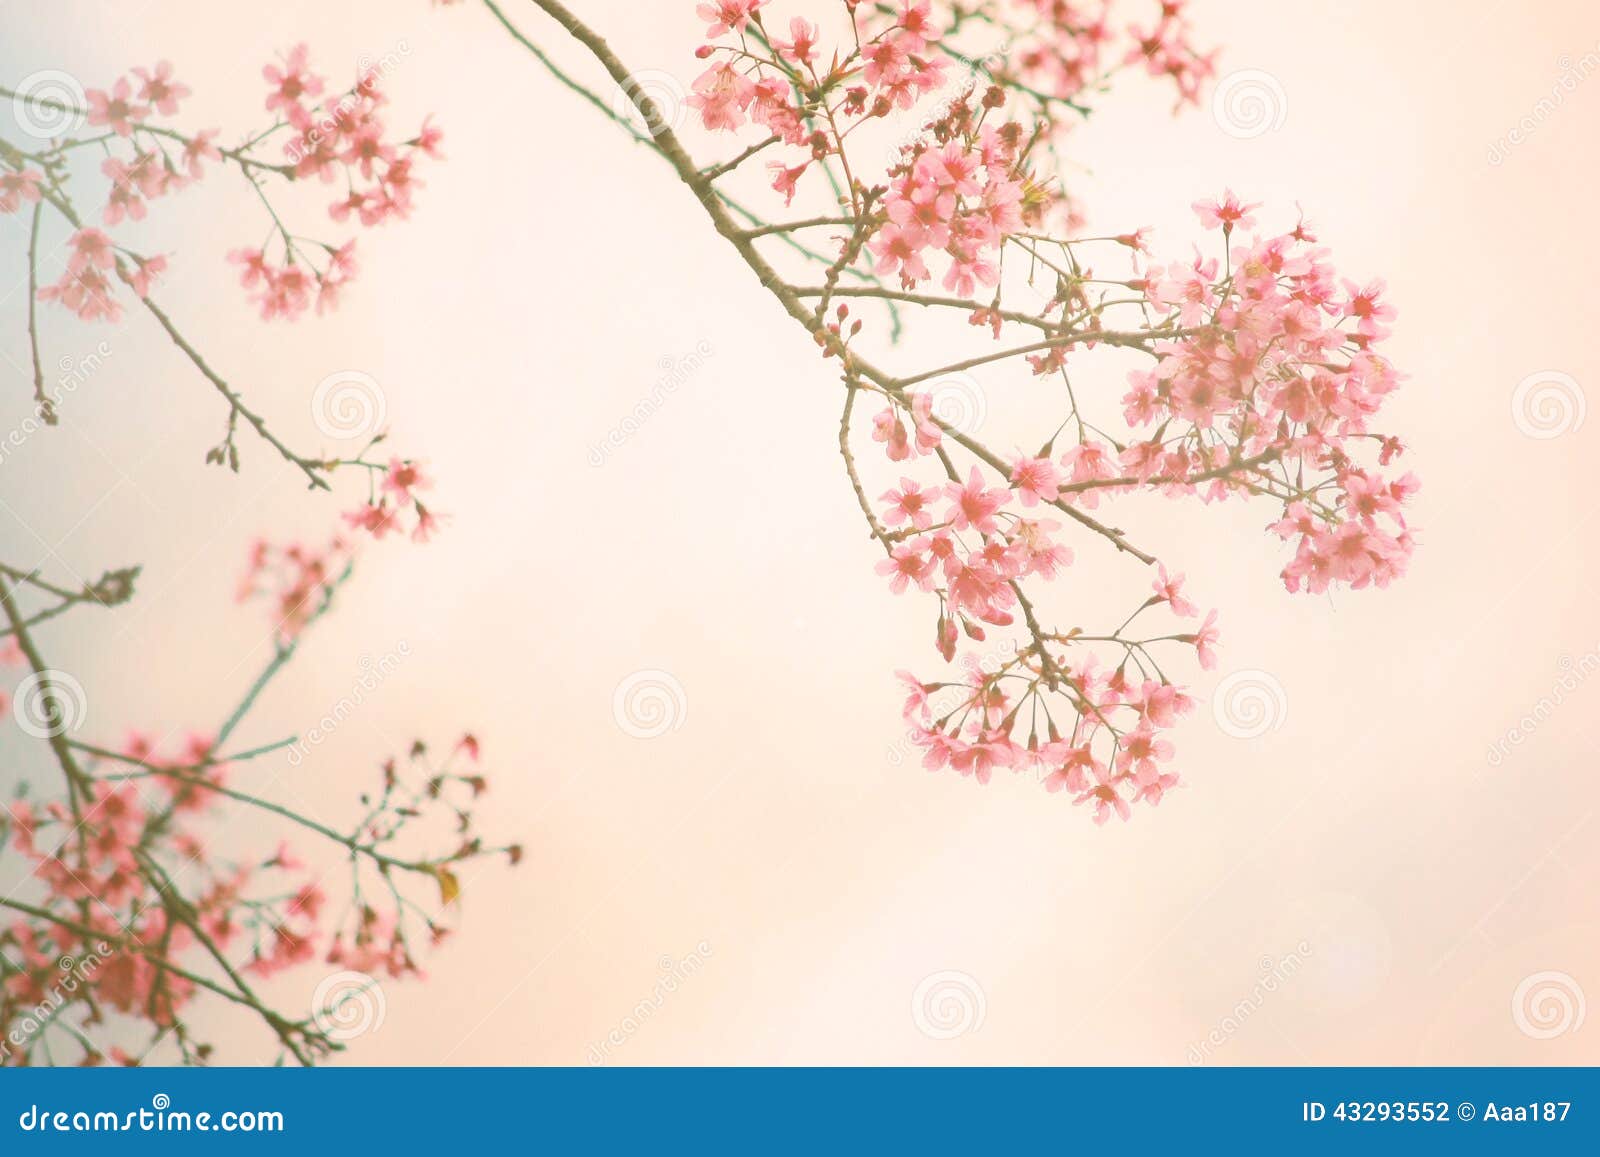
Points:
point(449, 886)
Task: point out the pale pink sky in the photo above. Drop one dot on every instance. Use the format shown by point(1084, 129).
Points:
point(553, 268)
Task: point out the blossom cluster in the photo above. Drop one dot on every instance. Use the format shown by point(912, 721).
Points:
point(1103, 743)
point(1264, 371)
point(340, 138)
point(1278, 364)
point(124, 872)
point(815, 96)
point(298, 579)
point(125, 875)
point(961, 199)
point(1265, 377)
point(397, 493)
point(1052, 706)
point(122, 861)
point(1064, 50)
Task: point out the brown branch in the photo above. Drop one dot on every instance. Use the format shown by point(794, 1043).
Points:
point(126, 942)
point(181, 910)
point(791, 226)
point(667, 143)
point(733, 163)
point(187, 776)
point(1134, 340)
point(47, 409)
point(879, 531)
point(909, 298)
point(310, 467)
point(77, 780)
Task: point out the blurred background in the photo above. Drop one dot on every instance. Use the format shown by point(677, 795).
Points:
point(1386, 854)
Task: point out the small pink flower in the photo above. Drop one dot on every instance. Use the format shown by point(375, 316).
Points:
point(724, 16)
point(292, 83)
point(146, 272)
point(157, 88)
point(1036, 480)
point(117, 110)
point(19, 187)
point(1169, 589)
point(402, 478)
point(973, 504)
point(908, 504)
point(1226, 213)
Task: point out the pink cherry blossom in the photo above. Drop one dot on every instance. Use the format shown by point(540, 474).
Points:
point(973, 504)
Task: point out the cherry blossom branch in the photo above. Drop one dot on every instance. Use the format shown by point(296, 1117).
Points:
point(667, 143)
point(50, 696)
point(112, 589)
point(47, 410)
point(310, 467)
point(131, 944)
point(110, 827)
point(189, 775)
point(1249, 384)
point(118, 865)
